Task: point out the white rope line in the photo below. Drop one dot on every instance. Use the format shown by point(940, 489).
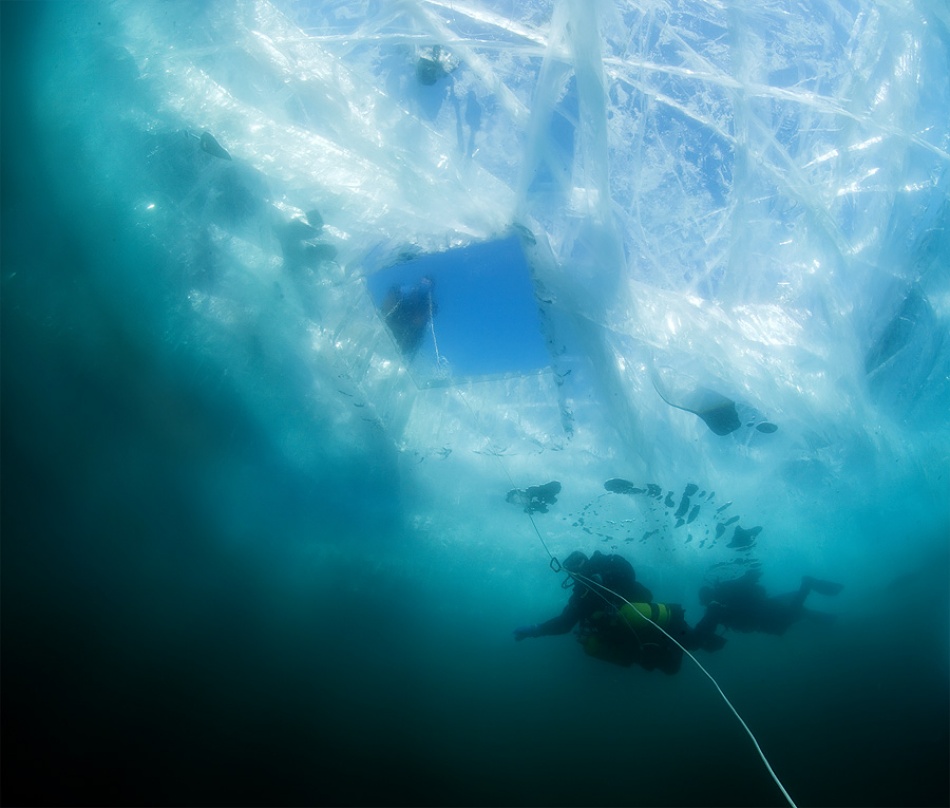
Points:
point(768, 766)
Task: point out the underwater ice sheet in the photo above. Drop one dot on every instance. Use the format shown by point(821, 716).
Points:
point(264, 520)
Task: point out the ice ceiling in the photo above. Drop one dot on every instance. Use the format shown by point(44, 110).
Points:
point(733, 217)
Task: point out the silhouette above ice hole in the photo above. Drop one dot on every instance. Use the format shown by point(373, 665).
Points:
point(717, 411)
point(463, 313)
point(408, 310)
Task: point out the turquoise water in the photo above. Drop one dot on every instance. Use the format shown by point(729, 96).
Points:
point(224, 583)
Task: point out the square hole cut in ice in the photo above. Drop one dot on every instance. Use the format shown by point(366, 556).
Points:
point(467, 312)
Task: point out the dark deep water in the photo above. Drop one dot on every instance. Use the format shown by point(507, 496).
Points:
point(171, 638)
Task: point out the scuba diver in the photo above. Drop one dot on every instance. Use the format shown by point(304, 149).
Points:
point(610, 609)
point(743, 605)
point(408, 310)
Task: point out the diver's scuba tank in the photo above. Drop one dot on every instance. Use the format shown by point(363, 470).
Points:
point(621, 635)
point(642, 616)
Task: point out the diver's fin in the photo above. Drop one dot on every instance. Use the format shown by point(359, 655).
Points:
point(212, 147)
point(825, 587)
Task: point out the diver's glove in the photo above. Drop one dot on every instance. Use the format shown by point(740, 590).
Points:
point(526, 631)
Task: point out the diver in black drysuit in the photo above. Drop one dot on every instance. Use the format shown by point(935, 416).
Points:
point(602, 585)
point(744, 605)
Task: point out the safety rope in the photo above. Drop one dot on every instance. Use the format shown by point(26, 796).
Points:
point(556, 566)
point(441, 364)
point(590, 583)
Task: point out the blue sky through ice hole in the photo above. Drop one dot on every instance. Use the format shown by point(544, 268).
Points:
point(485, 315)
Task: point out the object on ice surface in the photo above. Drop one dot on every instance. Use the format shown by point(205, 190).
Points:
point(212, 147)
point(434, 64)
point(298, 242)
point(720, 413)
point(409, 310)
point(905, 359)
point(716, 410)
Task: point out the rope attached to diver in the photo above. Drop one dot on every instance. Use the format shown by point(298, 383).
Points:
point(439, 361)
point(555, 565)
point(590, 583)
